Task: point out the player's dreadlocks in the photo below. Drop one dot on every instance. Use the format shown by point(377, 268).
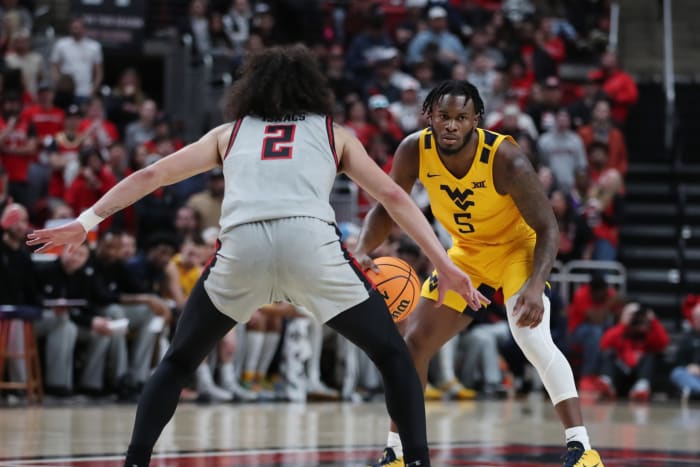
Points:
point(455, 88)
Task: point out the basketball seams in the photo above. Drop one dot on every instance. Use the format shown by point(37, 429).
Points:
point(409, 288)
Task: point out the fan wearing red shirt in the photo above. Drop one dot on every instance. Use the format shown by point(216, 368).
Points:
point(63, 151)
point(630, 352)
point(18, 147)
point(96, 126)
point(93, 180)
point(46, 117)
point(589, 313)
point(619, 86)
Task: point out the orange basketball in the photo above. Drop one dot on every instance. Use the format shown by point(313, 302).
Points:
point(399, 285)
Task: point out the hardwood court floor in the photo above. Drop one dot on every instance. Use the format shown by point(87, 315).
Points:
point(508, 433)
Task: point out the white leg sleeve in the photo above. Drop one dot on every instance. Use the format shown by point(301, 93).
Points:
point(539, 348)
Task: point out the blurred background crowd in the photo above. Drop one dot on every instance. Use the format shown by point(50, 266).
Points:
point(72, 125)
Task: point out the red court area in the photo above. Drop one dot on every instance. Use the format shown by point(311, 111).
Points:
point(485, 456)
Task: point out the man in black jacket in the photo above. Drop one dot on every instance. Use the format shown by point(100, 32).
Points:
point(72, 293)
point(130, 299)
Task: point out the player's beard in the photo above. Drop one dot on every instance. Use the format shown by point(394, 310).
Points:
point(452, 151)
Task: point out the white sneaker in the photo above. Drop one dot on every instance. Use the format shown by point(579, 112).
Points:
point(207, 388)
point(319, 390)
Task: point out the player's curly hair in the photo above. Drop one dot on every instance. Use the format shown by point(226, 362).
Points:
point(455, 88)
point(277, 81)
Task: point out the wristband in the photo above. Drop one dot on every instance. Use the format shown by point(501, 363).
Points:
point(89, 219)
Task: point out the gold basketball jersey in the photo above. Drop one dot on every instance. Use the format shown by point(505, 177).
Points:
point(470, 208)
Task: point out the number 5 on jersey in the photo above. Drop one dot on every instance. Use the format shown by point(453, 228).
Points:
point(278, 142)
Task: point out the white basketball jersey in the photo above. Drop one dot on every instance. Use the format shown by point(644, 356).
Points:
point(276, 169)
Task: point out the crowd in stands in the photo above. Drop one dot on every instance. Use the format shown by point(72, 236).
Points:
point(109, 306)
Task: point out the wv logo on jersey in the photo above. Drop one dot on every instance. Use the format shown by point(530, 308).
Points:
point(433, 281)
point(460, 198)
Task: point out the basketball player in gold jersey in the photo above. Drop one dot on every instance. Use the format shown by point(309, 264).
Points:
point(484, 191)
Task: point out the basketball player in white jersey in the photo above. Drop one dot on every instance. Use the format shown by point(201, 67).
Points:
point(279, 240)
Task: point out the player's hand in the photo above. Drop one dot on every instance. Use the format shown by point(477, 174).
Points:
point(72, 234)
point(365, 262)
point(529, 307)
point(100, 326)
point(453, 278)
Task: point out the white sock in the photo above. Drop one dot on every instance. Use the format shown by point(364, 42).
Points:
point(394, 442)
point(580, 434)
point(254, 346)
point(268, 351)
point(446, 357)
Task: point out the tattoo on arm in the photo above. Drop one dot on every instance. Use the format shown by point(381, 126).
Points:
point(526, 190)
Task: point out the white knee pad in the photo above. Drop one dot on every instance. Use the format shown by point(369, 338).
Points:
point(539, 349)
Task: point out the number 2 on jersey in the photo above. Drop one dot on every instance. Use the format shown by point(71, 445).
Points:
point(278, 142)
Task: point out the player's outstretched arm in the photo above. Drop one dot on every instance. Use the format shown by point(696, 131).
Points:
point(378, 223)
point(194, 158)
point(365, 172)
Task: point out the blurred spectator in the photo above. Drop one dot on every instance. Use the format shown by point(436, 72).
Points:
point(407, 111)
point(358, 123)
point(510, 120)
point(187, 223)
point(379, 152)
point(578, 197)
point(196, 26)
point(81, 58)
point(18, 147)
point(96, 127)
point(266, 27)
point(517, 10)
point(605, 205)
point(65, 92)
point(449, 48)
point(124, 103)
point(630, 353)
point(423, 72)
point(590, 313)
point(384, 65)
point(549, 49)
point(479, 45)
point(94, 179)
point(581, 110)
point(63, 150)
point(384, 121)
point(127, 299)
point(338, 79)
point(208, 203)
point(601, 129)
point(44, 115)
point(574, 232)
point(481, 363)
point(143, 129)
point(17, 274)
point(237, 22)
point(482, 74)
point(543, 111)
point(619, 86)
point(521, 80)
point(686, 366)
point(561, 149)
point(15, 14)
point(21, 56)
point(70, 277)
point(373, 36)
point(221, 43)
point(147, 269)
